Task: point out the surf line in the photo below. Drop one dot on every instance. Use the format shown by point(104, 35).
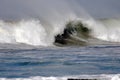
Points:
point(80, 79)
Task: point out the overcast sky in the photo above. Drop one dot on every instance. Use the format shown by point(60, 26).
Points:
point(21, 8)
point(101, 8)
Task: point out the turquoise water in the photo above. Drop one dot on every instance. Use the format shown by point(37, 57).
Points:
point(59, 61)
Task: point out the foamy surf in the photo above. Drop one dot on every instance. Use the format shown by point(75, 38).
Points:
point(38, 23)
point(33, 32)
point(29, 32)
point(82, 77)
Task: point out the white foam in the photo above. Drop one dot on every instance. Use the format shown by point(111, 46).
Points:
point(53, 18)
point(32, 32)
point(116, 77)
point(112, 29)
point(108, 30)
point(98, 77)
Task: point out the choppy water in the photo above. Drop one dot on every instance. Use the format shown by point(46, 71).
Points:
point(87, 62)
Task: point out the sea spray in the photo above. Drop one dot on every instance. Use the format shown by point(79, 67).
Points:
point(113, 29)
point(38, 23)
point(35, 22)
point(33, 32)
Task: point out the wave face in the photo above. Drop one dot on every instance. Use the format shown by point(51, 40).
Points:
point(75, 33)
point(50, 23)
point(82, 32)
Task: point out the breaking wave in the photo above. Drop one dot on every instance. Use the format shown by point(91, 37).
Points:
point(47, 23)
point(71, 32)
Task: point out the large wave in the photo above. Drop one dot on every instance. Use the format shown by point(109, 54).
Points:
point(46, 24)
point(71, 32)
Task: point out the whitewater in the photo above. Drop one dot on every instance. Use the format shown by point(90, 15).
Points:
point(47, 20)
point(50, 22)
point(20, 32)
point(57, 40)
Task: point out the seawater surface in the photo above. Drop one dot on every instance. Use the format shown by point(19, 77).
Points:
point(17, 62)
point(28, 25)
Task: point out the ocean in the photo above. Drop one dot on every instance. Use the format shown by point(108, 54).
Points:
point(99, 62)
point(57, 40)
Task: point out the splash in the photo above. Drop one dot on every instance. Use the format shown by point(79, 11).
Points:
point(38, 23)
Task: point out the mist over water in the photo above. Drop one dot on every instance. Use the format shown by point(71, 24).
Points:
point(44, 19)
point(42, 9)
point(38, 22)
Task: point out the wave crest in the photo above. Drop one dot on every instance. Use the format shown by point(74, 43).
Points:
point(75, 32)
